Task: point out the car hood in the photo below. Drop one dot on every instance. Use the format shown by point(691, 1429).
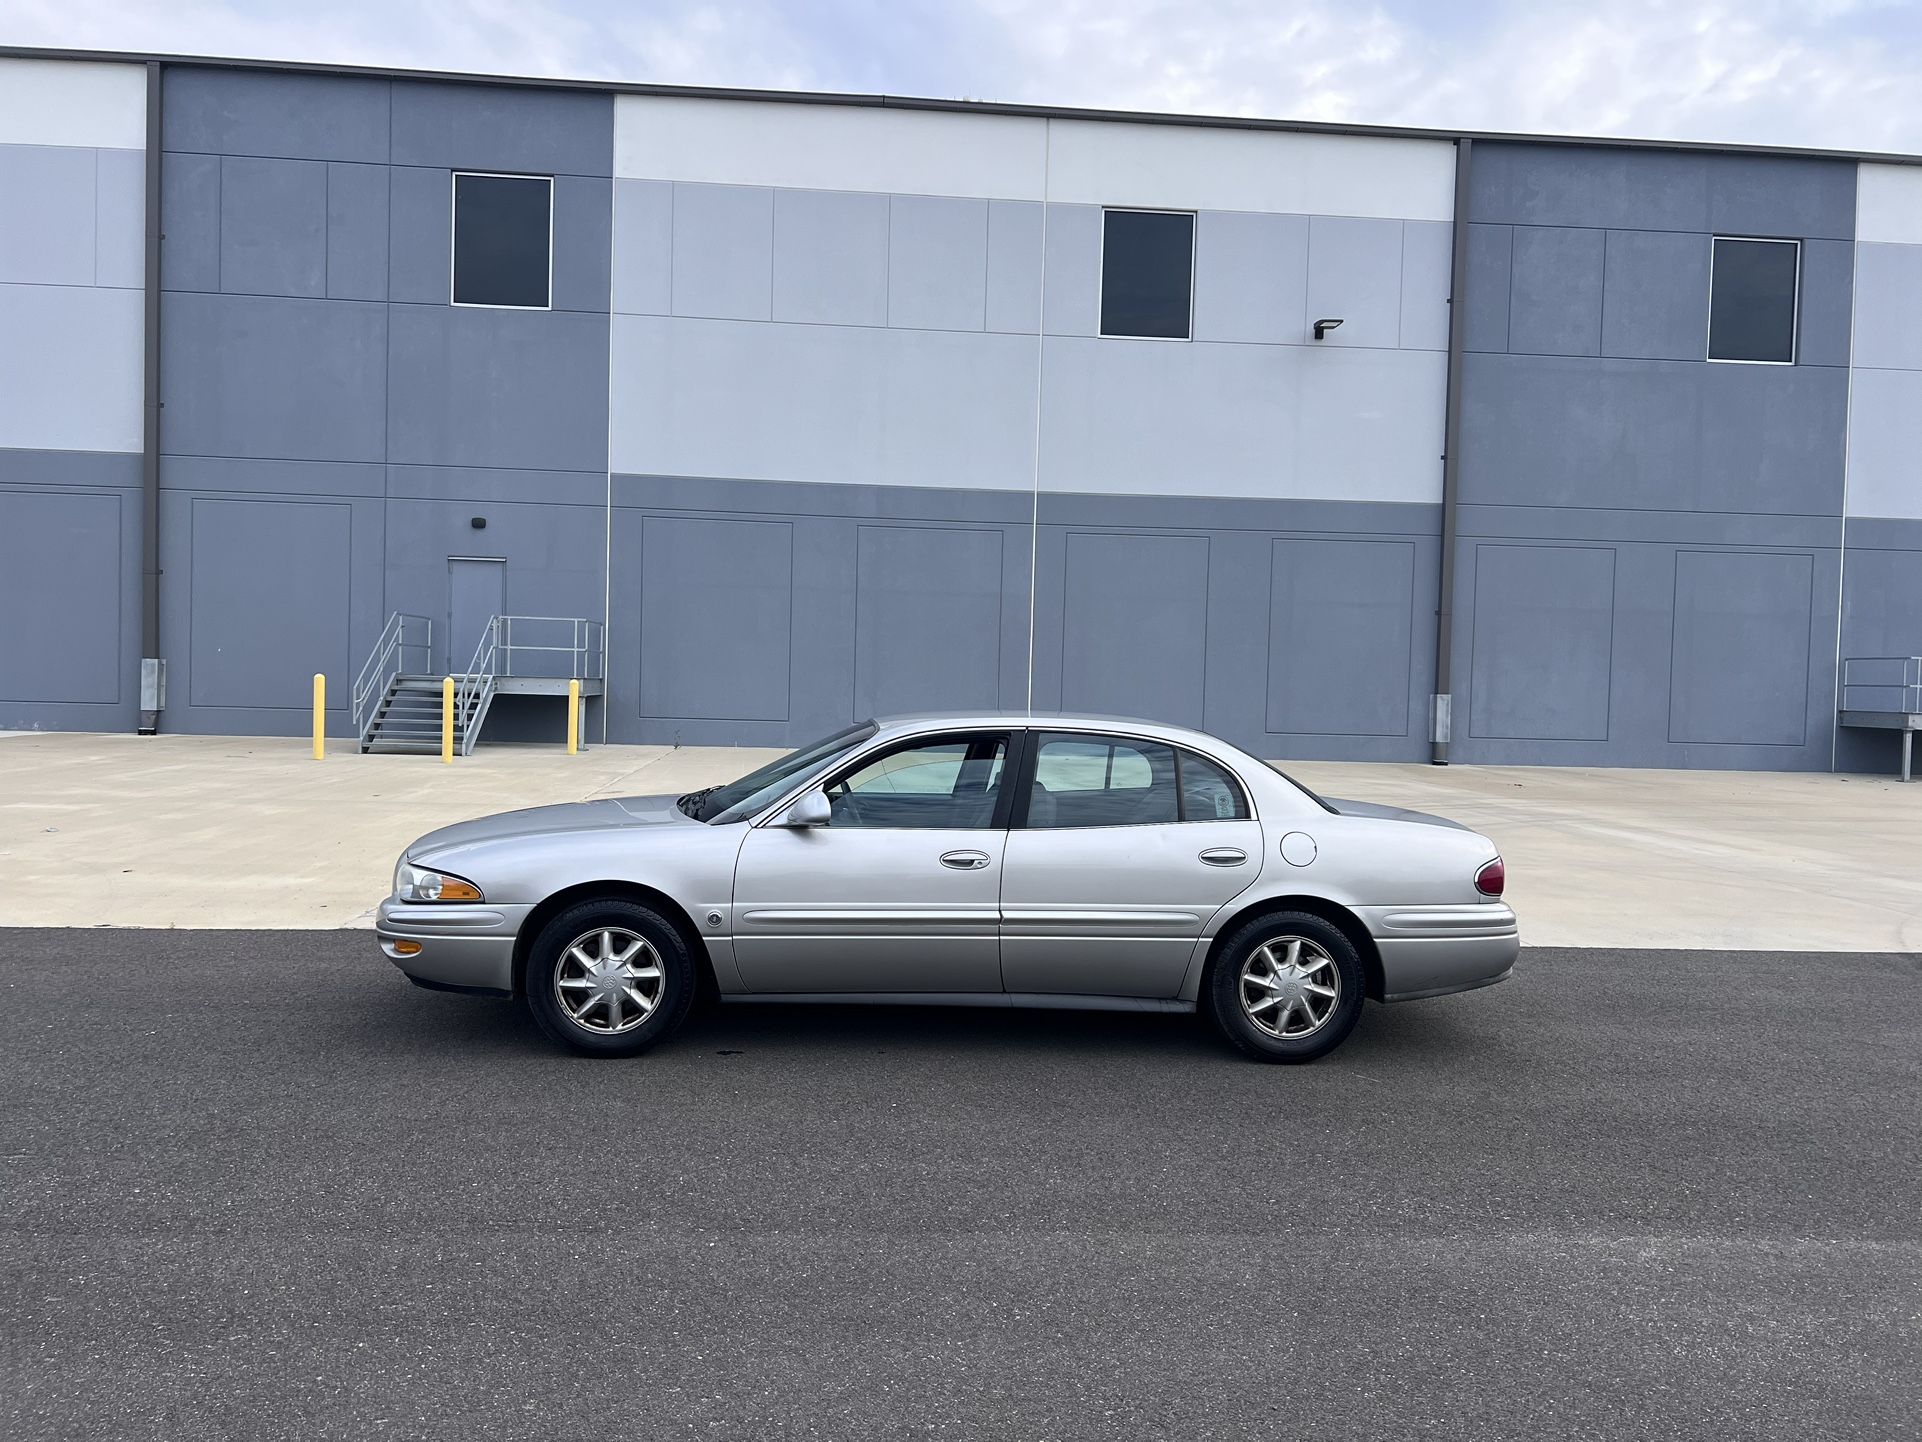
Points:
point(546, 820)
point(1391, 813)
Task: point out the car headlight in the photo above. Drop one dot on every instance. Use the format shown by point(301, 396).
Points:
point(417, 883)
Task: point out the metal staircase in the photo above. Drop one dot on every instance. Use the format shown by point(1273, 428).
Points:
point(398, 706)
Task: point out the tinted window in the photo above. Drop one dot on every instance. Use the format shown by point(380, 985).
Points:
point(950, 783)
point(1102, 781)
point(1147, 268)
point(501, 234)
point(1751, 309)
point(1209, 793)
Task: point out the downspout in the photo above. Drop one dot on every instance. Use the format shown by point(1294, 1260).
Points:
point(153, 670)
point(1442, 702)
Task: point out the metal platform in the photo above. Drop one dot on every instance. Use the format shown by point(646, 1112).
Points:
point(1884, 693)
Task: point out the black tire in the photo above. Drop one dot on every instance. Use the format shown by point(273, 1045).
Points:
point(619, 922)
point(1324, 948)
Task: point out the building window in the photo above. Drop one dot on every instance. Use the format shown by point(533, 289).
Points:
point(1147, 273)
point(1752, 300)
point(503, 240)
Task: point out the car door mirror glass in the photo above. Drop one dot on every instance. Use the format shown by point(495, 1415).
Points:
point(810, 808)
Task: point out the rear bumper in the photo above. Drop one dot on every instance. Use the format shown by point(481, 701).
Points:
point(467, 948)
point(1435, 950)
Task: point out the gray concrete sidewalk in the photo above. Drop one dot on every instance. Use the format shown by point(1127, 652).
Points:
point(123, 830)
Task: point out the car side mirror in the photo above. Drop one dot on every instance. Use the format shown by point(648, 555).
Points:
point(810, 808)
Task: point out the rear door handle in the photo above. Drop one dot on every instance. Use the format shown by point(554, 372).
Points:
point(1224, 856)
point(965, 860)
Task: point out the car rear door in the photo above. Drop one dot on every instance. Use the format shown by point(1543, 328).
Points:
point(1120, 851)
point(899, 892)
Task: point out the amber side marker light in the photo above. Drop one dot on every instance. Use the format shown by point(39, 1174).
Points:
point(454, 889)
point(407, 948)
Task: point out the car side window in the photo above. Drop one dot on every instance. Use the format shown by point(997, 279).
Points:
point(1102, 781)
point(1208, 793)
point(946, 783)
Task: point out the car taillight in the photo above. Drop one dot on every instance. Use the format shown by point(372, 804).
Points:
point(1490, 880)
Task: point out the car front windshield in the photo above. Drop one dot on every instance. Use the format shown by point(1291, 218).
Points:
point(738, 800)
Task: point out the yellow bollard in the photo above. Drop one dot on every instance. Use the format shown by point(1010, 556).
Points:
point(447, 718)
point(573, 718)
point(320, 716)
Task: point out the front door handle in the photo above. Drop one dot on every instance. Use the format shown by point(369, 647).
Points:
point(1224, 856)
point(965, 860)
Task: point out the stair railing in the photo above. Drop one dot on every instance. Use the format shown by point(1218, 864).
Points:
point(399, 638)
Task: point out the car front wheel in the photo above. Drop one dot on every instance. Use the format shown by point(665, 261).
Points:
point(1286, 987)
point(609, 978)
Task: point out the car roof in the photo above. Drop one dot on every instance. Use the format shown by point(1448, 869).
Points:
point(1047, 721)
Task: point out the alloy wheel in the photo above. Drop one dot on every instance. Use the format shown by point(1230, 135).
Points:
point(609, 980)
point(1289, 987)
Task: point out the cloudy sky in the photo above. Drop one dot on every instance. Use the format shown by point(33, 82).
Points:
point(1845, 73)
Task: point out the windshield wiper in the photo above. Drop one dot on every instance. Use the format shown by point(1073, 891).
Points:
point(690, 802)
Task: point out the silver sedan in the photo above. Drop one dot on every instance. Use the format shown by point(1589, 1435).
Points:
point(978, 860)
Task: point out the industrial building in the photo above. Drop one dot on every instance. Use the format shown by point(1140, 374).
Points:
point(1342, 442)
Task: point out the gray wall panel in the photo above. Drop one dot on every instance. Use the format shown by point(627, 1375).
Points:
point(190, 205)
point(1014, 265)
point(297, 117)
point(257, 477)
point(581, 243)
point(479, 127)
point(1741, 661)
point(498, 388)
point(273, 226)
point(1491, 251)
point(643, 271)
point(1071, 298)
point(120, 194)
point(715, 641)
point(39, 469)
point(723, 251)
point(1773, 438)
point(1340, 632)
point(1427, 256)
point(50, 201)
point(357, 230)
point(420, 235)
point(1655, 296)
point(1251, 277)
point(60, 590)
point(1354, 272)
point(1134, 625)
point(1555, 291)
point(270, 601)
point(1522, 184)
point(1781, 195)
point(928, 624)
point(272, 377)
point(830, 257)
point(1828, 295)
point(1543, 642)
point(937, 262)
point(1889, 320)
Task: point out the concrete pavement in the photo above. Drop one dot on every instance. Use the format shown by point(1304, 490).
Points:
point(254, 1186)
point(247, 832)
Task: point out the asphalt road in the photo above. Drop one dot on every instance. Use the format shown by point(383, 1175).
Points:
point(255, 1186)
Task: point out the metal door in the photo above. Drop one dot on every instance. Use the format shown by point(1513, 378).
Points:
point(476, 586)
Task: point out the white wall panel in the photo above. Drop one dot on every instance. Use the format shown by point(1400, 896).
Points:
point(1885, 444)
point(73, 102)
point(70, 359)
point(1888, 203)
point(1187, 167)
point(828, 147)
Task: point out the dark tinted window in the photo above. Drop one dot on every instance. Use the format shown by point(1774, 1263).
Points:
point(1147, 268)
point(1102, 781)
point(949, 782)
point(1751, 311)
point(501, 235)
point(1209, 793)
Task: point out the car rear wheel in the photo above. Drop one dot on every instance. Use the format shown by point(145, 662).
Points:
point(1287, 987)
point(609, 978)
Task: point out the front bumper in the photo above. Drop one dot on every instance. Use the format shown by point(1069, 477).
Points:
point(1434, 950)
point(469, 948)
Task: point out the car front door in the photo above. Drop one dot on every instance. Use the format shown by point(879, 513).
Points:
point(1121, 850)
point(898, 892)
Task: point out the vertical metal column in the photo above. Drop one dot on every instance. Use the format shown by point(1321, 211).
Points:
point(1441, 714)
point(153, 667)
